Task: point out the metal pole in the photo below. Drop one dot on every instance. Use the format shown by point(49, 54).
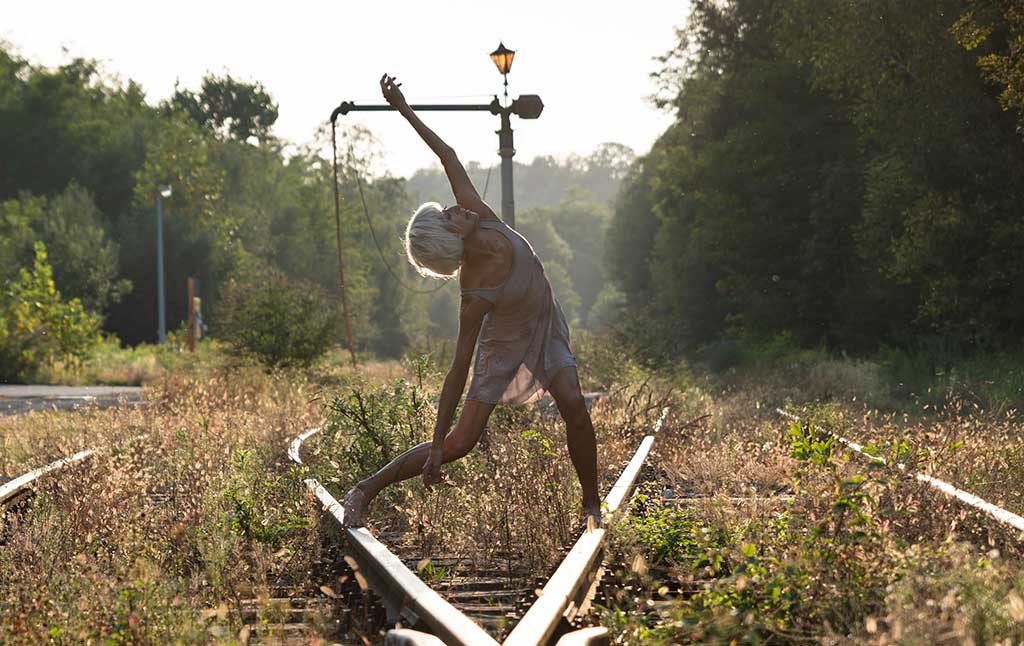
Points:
point(506, 150)
point(505, 147)
point(161, 314)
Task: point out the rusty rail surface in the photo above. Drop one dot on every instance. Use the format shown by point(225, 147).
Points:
point(998, 513)
point(566, 593)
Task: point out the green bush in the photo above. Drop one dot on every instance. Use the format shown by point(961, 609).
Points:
point(367, 427)
point(37, 327)
point(278, 321)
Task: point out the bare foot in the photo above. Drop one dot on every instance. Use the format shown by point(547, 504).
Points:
point(355, 508)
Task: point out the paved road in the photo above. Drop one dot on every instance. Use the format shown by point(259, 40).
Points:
point(18, 399)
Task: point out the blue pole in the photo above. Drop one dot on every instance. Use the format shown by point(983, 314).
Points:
point(160, 270)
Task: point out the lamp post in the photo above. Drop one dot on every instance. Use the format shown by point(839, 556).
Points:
point(163, 191)
point(527, 106)
point(502, 57)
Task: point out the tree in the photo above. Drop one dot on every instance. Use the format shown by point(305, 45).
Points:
point(84, 259)
point(940, 217)
point(545, 181)
point(230, 108)
point(37, 326)
point(70, 123)
point(279, 322)
point(995, 29)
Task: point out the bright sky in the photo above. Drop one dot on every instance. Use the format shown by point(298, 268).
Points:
point(589, 62)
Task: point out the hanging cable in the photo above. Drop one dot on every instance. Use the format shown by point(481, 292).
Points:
point(373, 234)
point(341, 266)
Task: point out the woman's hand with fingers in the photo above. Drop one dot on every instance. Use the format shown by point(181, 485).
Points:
point(389, 87)
point(432, 467)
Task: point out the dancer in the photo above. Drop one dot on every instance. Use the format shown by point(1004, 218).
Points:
point(508, 306)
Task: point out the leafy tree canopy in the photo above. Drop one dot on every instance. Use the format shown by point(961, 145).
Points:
point(228, 107)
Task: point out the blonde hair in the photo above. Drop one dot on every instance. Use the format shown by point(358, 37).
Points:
point(433, 248)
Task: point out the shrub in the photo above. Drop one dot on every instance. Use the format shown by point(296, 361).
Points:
point(37, 327)
point(372, 426)
point(278, 321)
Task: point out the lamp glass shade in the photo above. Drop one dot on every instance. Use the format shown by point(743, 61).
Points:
point(165, 191)
point(502, 58)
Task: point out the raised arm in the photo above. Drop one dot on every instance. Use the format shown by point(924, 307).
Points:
point(465, 193)
point(471, 317)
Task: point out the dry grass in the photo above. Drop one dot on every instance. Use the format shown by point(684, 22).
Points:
point(192, 506)
point(515, 494)
point(189, 507)
point(838, 552)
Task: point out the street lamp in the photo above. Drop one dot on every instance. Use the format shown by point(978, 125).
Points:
point(526, 106)
point(163, 191)
point(502, 58)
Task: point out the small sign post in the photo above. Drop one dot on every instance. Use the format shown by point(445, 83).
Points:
point(191, 314)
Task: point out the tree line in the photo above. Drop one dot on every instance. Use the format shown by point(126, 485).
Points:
point(847, 175)
point(83, 156)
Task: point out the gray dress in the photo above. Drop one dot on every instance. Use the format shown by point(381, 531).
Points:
point(524, 339)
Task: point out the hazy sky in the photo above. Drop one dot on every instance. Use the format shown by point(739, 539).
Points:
point(589, 62)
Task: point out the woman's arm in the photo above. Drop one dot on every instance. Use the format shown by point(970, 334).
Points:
point(471, 317)
point(465, 193)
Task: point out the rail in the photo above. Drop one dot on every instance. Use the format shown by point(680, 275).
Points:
point(566, 593)
point(403, 593)
point(568, 590)
point(998, 513)
point(11, 488)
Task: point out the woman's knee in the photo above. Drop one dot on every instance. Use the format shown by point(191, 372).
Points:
point(458, 444)
point(574, 411)
point(468, 429)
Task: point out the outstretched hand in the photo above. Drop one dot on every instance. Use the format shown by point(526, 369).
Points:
point(393, 95)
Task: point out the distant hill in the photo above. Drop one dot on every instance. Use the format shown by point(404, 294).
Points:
point(546, 181)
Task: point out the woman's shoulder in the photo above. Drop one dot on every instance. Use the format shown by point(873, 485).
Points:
point(496, 270)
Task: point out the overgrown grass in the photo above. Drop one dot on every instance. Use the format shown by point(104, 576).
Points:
point(189, 507)
point(515, 494)
point(893, 380)
point(793, 539)
point(112, 364)
point(752, 531)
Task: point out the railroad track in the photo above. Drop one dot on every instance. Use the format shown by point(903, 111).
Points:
point(569, 591)
point(17, 494)
point(476, 600)
point(410, 601)
point(1002, 516)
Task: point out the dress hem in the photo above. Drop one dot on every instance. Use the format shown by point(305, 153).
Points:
point(543, 387)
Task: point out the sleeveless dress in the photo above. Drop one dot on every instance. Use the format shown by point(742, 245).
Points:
point(524, 339)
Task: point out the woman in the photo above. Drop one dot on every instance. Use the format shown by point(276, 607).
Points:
point(508, 305)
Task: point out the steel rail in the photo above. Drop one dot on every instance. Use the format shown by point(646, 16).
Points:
point(404, 593)
point(568, 590)
point(566, 593)
point(9, 489)
point(996, 512)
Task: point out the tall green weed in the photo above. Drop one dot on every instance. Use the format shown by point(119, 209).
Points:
point(38, 327)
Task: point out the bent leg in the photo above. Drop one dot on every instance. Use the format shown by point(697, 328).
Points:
point(565, 388)
point(457, 444)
